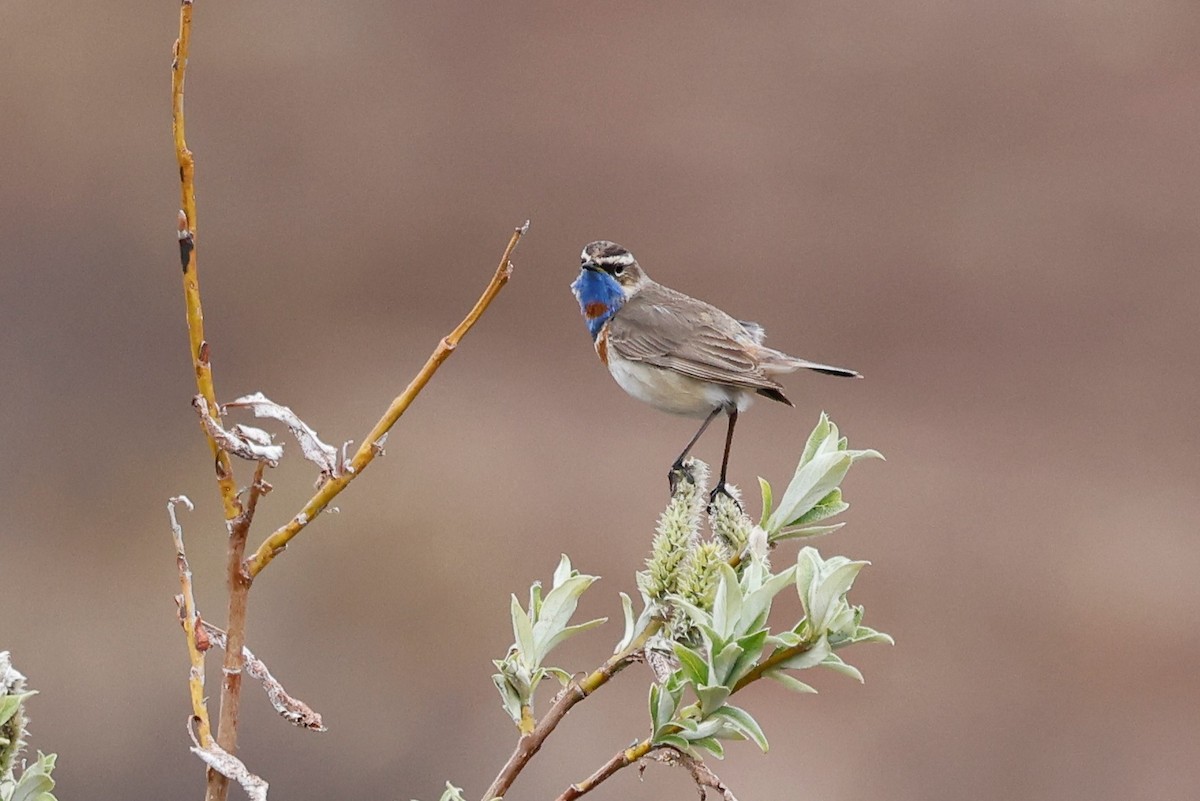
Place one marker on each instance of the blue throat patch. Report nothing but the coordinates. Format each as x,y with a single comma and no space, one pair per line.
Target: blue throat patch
599,296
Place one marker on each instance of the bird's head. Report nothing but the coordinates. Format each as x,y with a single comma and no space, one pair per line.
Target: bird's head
615,262
609,277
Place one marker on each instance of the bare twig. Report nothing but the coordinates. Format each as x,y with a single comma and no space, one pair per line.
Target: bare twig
621,759
187,254
529,744
371,444
291,709
239,591
190,618
702,774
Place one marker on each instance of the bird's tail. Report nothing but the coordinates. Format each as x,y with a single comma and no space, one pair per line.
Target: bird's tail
778,362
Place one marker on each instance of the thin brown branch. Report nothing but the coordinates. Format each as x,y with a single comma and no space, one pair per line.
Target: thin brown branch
239,596
190,619
371,445
531,743
702,774
621,759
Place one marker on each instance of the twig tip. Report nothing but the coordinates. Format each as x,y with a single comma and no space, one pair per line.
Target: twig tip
183,499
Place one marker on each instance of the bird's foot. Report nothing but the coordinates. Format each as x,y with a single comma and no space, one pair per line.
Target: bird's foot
680,472
721,489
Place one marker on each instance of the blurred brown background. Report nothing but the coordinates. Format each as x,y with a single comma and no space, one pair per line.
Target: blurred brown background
989,209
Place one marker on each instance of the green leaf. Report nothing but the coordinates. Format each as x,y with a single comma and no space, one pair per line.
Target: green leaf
765,487
564,678
35,783
839,581
723,662
535,600
752,646
694,668
9,704
867,634
741,721
832,504
563,571
656,693
822,585
557,608
514,690
811,657
789,681
727,608
452,793
805,532
630,622
571,631
819,434
663,704
858,456
561,601
784,639
522,632
673,740
835,663
711,697
812,482
711,745
710,727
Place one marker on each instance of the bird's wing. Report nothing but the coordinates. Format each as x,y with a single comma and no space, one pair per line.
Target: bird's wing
660,327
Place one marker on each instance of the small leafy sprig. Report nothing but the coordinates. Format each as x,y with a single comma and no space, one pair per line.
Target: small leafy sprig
814,493
536,632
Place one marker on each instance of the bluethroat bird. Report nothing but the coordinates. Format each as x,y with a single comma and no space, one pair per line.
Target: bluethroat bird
676,353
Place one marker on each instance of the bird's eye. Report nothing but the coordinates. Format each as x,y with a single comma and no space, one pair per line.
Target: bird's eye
620,268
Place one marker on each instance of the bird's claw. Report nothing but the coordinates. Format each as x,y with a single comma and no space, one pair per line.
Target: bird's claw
721,489
680,472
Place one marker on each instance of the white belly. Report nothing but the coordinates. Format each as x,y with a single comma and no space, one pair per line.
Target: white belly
673,392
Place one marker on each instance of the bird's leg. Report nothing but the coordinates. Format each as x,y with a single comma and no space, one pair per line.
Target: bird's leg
720,489
677,468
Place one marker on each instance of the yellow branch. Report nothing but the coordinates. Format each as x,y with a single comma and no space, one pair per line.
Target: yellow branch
187,253
622,759
371,445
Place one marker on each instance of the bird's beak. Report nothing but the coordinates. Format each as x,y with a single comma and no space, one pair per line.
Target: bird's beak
593,266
